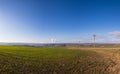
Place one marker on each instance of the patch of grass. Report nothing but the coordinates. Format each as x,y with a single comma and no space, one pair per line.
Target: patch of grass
58,60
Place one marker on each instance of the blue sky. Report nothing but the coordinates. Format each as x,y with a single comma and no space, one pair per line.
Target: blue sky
41,21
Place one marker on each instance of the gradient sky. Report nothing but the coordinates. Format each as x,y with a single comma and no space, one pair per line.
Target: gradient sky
39,21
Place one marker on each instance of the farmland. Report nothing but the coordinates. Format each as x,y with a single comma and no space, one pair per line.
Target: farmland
58,60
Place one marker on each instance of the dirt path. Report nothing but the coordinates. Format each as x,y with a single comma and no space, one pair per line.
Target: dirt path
111,55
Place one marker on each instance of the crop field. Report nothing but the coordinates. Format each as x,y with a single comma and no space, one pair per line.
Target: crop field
58,60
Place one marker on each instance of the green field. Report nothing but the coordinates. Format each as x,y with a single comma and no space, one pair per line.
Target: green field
58,60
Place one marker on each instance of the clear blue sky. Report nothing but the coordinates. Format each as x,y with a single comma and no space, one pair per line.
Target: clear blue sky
63,20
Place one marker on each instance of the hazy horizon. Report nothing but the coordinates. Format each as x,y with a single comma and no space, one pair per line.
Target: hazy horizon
62,21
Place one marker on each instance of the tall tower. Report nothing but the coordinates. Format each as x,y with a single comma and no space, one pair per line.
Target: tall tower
94,39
